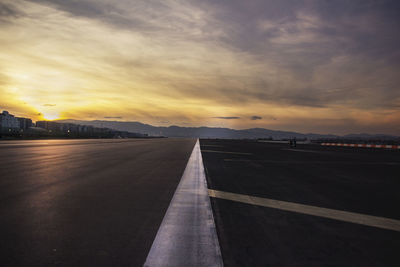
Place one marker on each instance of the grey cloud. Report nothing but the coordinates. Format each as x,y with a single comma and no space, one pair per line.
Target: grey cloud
227,118
84,8
338,19
101,10
7,10
345,86
109,117
141,15
338,28
365,32
362,28
121,14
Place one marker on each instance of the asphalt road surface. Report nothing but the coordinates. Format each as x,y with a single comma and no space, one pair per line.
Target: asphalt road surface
356,180
85,202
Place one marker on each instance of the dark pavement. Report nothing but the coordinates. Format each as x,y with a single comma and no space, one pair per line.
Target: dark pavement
357,180
85,202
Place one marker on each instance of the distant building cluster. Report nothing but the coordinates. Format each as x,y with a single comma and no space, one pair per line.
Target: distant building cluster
10,123
15,126
77,130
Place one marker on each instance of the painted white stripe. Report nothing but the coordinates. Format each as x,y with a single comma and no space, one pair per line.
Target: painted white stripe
187,235
374,221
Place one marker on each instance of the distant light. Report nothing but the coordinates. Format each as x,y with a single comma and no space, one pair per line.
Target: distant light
51,116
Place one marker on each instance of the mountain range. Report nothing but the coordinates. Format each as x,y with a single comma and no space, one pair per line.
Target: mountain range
213,132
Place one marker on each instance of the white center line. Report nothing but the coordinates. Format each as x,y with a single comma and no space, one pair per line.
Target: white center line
187,235
352,217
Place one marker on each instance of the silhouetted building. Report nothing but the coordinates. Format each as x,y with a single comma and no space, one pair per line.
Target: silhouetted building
23,127
8,122
76,130
50,126
25,123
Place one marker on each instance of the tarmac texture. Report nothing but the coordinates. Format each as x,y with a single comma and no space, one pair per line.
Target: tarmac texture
85,202
361,181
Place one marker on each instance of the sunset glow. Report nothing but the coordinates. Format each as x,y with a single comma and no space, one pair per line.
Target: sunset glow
51,116
277,66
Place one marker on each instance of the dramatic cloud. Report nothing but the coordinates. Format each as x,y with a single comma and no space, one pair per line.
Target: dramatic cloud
8,11
328,66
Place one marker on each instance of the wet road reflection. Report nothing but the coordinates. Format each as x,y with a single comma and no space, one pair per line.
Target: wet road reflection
85,202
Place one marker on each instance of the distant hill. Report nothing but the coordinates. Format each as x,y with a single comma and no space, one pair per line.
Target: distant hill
211,132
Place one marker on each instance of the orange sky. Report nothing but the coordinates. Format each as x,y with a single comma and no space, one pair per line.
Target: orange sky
190,64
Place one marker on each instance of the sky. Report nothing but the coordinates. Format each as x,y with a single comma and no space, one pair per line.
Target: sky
307,66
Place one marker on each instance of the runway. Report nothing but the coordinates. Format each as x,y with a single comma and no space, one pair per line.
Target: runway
306,206
117,203
85,202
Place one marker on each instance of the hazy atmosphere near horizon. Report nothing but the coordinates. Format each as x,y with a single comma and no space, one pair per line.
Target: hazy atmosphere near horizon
306,66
